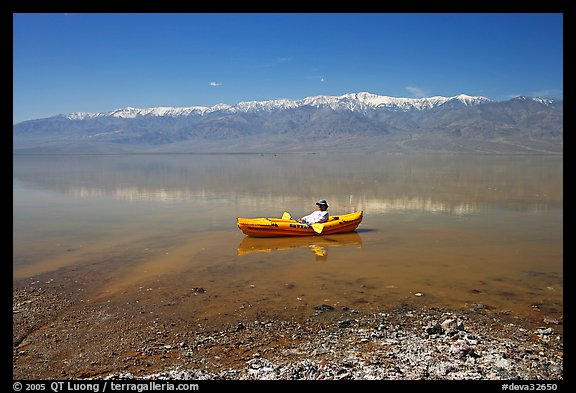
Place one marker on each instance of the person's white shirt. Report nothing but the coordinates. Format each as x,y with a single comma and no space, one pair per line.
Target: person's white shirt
316,216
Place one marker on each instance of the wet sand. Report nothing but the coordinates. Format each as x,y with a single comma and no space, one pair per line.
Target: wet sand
57,335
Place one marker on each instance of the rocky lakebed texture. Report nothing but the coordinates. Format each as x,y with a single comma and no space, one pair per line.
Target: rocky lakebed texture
57,336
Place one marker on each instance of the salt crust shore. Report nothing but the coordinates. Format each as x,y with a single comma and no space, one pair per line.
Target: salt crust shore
56,337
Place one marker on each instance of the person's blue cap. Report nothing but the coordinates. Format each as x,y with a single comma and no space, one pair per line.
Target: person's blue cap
322,202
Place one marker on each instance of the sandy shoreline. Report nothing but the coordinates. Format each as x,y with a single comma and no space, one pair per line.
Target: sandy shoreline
57,336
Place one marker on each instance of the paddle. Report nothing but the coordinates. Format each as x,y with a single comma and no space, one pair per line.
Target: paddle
318,228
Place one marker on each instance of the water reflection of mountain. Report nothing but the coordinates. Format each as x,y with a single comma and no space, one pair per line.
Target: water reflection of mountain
205,197
454,184
318,245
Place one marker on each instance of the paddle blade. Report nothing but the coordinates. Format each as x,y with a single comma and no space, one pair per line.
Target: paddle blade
318,227
319,251
286,216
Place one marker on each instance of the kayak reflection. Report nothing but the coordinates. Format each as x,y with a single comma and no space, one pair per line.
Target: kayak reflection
317,244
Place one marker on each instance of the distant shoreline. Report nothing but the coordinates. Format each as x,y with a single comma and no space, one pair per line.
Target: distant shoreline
352,153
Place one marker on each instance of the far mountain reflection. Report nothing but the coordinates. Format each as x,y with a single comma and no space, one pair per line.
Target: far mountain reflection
458,229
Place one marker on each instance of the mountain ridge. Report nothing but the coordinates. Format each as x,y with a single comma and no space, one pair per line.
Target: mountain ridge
364,120
334,102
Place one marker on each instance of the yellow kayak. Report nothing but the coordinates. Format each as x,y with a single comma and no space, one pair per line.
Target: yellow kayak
274,227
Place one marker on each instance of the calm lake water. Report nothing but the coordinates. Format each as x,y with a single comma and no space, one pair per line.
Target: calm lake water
149,229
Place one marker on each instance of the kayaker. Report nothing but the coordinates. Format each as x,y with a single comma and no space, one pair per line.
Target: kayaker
320,215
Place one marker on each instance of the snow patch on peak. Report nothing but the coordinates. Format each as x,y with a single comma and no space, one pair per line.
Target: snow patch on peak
354,102
131,113
127,113
541,100
83,115
470,100
219,107
256,106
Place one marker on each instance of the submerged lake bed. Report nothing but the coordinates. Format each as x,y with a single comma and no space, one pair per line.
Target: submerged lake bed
158,233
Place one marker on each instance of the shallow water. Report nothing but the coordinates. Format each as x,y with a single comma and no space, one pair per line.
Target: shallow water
438,230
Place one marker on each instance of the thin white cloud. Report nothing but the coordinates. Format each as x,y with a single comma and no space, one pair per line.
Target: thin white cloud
215,84
276,61
416,91
283,59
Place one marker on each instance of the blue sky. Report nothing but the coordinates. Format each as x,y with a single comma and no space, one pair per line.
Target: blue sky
67,63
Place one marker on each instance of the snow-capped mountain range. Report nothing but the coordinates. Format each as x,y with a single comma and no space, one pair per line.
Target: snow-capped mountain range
354,102
362,120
